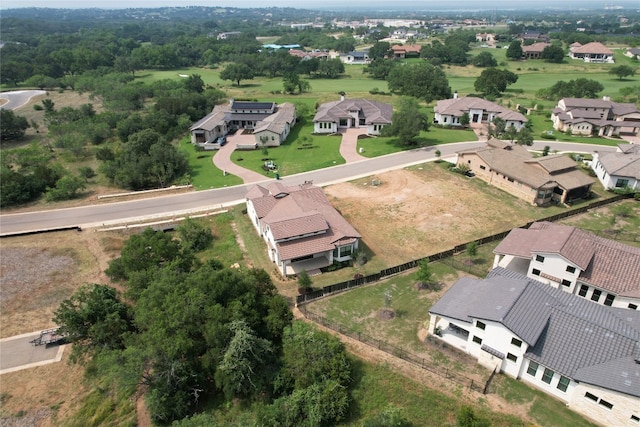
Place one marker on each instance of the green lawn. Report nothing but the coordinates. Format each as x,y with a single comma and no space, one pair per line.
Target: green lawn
204,175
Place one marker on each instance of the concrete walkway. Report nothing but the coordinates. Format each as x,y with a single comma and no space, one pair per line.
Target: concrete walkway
222,157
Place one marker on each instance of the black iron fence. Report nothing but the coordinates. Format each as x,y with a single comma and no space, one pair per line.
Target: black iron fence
448,254
421,362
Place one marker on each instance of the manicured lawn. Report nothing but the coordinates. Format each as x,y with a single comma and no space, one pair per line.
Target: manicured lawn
380,146
204,175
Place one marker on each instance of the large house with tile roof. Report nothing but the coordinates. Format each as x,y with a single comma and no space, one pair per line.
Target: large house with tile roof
586,354
575,261
448,112
537,180
591,52
601,117
534,51
620,169
303,232
269,122
331,117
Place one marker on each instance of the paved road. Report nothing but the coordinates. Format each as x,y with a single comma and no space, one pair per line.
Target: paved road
18,98
182,204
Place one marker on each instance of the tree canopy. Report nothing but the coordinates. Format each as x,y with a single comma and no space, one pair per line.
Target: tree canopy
553,54
236,73
578,88
493,81
514,52
622,71
422,80
12,126
407,122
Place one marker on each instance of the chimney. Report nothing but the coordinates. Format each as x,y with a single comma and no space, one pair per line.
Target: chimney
455,94
606,98
341,96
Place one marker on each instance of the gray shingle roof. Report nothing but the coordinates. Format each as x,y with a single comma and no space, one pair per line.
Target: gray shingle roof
371,111
457,106
582,340
621,164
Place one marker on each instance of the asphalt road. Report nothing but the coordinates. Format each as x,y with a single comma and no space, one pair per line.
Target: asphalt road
18,98
202,201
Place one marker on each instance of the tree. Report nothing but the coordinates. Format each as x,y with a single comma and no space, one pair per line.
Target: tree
194,83
380,68
493,81
514,52
622,71
578,88
304,281
67,187
422,80
331,68
12,126
484,59
524,136
464,119
93,318
237,73
424,273
553,54
466,417
194,235
471,249
379,50
407,122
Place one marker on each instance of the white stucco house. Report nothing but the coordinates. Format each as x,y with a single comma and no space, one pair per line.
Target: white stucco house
269,122
601,117
620,169
591,52
575,261
332,117
301,229
448,112
585,354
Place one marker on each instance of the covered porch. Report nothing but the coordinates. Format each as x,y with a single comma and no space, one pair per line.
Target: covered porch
316,263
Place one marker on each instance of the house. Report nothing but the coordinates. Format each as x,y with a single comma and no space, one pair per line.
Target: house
303,232
620,169
305,55
448,112
537,180
399,33
331,117
591,52
485,37
632,52
534,51
601,117
355,58
228,35
575,261
269,122
533,36
406,51
585,354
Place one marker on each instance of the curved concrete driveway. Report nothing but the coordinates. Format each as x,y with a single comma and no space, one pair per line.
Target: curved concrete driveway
349,145
18,98
222,160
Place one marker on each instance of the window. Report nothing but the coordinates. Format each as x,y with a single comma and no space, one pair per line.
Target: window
563,383
535,272
622,183
566,282
591,396
547,376
480,325
533,368
539,258
595,296
571,269
477,340
512,357
632,306
609,299
635,419
583,290
516,342
483,167
606,404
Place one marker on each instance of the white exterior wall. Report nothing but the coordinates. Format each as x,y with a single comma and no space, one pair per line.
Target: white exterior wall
609,181
556,266
371,129
624,405
251,213
496,336
333,127
623,302
515,123
551,388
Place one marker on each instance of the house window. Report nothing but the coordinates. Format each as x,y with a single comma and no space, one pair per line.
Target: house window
635,419
609,299
512,357
595,296
606,404
563,384
535,272
566,282
539,258
533,368
571,269
583,290
632,306
516,342
622,183
482,167
591,396
477,340
547,376
480,325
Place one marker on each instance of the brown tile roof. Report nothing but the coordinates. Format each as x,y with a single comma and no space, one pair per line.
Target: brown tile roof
605,263
536,47
296,211
592,48
371,111
457,106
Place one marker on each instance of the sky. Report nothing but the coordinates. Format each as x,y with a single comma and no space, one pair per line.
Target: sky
322,4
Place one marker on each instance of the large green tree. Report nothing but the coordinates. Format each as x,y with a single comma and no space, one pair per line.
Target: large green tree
553,54
514,52
236,73
421,80
493,81
12,126
407,121
622,71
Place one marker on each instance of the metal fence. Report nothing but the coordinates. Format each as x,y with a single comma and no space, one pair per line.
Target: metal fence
448,255
444,372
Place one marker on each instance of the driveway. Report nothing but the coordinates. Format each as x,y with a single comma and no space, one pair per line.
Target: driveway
222,159
18,98
18,353
349,144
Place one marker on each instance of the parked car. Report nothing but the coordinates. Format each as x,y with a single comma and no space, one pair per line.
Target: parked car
470,174
221,141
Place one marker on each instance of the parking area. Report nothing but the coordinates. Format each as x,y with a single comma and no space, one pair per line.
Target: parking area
18,353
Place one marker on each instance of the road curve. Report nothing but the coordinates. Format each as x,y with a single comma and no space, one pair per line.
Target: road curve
18,98
202,201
